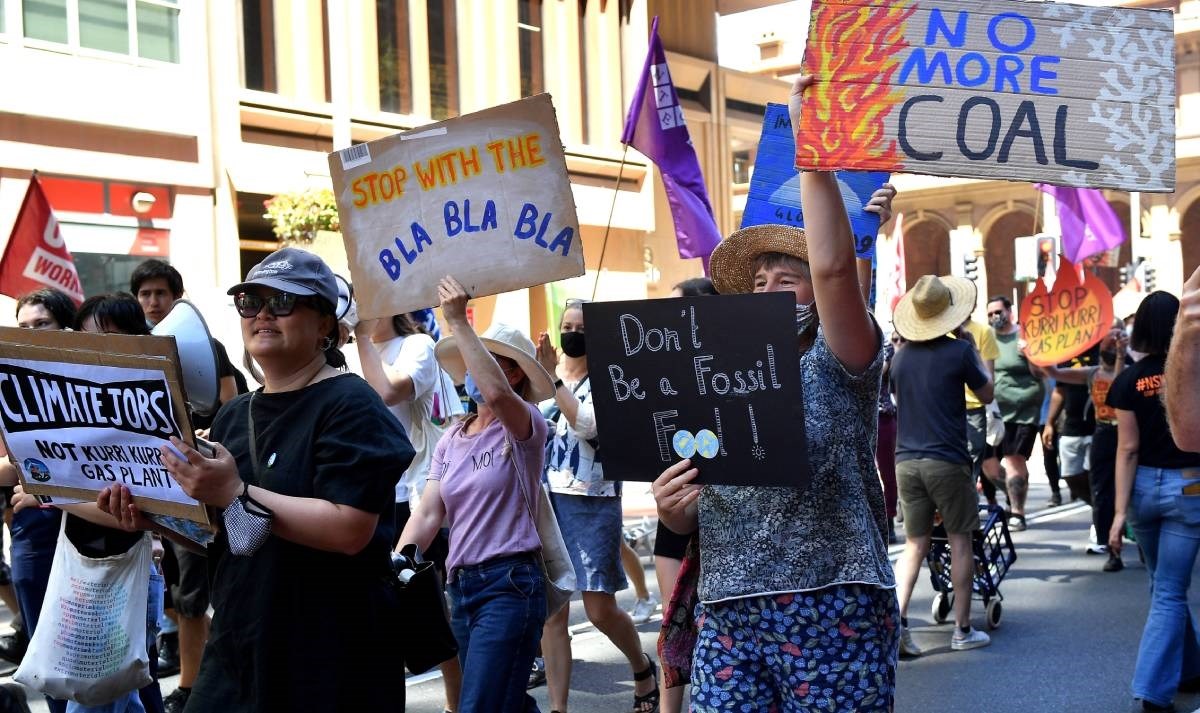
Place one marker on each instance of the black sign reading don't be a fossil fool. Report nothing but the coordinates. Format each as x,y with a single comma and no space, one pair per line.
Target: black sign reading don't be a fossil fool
714,379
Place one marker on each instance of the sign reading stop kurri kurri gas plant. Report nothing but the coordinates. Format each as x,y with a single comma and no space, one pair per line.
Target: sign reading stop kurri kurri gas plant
484,197
713,379
996,89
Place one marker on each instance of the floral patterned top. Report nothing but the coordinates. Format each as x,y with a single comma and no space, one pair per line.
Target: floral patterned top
572,456
771,540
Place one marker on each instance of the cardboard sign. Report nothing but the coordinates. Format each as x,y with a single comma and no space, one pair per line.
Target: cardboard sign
774,197
996,89
484,197
80,412
1066,321
679,378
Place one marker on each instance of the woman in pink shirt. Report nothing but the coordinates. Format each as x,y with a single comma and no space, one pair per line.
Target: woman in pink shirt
483,479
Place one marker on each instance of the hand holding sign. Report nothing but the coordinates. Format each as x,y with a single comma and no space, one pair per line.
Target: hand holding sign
1064,322
677,497
213,481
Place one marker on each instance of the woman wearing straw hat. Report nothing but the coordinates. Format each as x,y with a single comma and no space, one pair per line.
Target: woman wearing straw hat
484,479
812,561
933,462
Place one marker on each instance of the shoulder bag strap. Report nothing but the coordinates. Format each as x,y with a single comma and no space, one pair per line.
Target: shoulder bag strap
250,430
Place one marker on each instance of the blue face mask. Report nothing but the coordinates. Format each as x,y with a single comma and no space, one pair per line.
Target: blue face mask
472,389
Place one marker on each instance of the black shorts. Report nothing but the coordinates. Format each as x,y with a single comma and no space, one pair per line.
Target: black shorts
669,544
1018,441
190,588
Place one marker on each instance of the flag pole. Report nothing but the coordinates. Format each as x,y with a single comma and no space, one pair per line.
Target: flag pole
608,225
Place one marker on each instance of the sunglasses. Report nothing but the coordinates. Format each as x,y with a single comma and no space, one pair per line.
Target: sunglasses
280,304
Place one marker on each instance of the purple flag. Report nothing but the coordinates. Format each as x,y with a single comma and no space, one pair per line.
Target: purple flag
655,126
1089,224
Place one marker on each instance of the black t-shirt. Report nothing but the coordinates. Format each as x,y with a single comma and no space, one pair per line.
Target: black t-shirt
1078,415
1138,388
334,440
927,379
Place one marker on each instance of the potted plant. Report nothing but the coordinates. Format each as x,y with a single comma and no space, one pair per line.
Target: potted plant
298,217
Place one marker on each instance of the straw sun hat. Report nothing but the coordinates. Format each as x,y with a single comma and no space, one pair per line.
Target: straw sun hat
935,306
501,340
731,262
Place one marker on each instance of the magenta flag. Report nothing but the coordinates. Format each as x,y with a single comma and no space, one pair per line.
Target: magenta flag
655,126
1089,224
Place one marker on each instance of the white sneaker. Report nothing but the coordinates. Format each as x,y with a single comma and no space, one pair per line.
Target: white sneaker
908,647
1097,549
973,639
643,609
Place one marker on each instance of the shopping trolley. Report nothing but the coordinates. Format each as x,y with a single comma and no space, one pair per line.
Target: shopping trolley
993,551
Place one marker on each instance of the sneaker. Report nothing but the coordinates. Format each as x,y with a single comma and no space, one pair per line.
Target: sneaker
973,639
537,676
643,609
177,701
1016,523
168,654
12,647
908,647
1114,563
1055,499
12,699
1097,549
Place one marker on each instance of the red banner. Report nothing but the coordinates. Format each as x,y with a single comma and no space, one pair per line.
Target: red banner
36,255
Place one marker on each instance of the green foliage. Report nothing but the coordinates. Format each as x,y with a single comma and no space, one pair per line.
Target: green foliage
296,217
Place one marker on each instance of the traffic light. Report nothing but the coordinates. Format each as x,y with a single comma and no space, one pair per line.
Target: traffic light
971,267
1046,250
1149,273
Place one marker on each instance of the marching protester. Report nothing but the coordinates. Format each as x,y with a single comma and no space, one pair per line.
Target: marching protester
1183,370
1069,426
1019,392
1157,496
304,475
765,551
397,360
484,480
588,509
1103,451
933,463
985,343
157,286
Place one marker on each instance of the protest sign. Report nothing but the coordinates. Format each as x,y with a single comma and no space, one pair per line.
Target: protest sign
1061,323
996,89
774,197
80,412
684,378
484,197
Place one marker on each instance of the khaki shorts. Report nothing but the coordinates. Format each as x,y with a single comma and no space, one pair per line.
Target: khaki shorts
928,485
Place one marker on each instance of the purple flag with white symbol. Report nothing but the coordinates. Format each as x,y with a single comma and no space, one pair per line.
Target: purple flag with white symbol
1089,224
655,126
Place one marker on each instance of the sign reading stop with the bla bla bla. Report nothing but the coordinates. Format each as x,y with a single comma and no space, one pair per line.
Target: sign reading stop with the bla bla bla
1061,323
996,89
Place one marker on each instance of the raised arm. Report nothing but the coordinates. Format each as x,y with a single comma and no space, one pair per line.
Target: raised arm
1183,363
391,385
848,328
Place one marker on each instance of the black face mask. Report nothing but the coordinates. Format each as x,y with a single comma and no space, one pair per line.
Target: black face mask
1109,358
573,344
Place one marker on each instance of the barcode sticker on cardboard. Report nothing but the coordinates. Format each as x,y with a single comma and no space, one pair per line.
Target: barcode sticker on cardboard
355,156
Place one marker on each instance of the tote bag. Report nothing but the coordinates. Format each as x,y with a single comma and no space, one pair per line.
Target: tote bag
557,568
90,642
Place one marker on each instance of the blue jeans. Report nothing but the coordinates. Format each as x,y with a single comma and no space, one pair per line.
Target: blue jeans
1167,525
498,609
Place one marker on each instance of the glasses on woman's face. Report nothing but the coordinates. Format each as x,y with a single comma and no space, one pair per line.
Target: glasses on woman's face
280,304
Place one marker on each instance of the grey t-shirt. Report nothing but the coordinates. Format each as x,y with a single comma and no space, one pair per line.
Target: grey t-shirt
771,540
927,378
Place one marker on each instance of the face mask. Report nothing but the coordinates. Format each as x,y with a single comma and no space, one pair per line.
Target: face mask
573,344
806,317
1109,358
472,390
998,322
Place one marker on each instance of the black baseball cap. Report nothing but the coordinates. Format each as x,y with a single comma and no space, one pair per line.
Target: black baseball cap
294,271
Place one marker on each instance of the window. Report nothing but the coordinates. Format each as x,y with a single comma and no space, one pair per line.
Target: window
258,44
139,28
395,58
529,43
443,59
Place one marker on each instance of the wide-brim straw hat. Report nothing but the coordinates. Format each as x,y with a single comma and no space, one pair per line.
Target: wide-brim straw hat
934,307
733,258
501,340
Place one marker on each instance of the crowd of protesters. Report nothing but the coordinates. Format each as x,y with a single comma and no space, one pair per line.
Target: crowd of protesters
445,444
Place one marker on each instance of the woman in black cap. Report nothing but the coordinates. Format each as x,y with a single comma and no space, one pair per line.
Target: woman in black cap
304,474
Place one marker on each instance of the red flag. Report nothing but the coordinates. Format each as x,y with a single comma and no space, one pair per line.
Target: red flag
898,268
36,255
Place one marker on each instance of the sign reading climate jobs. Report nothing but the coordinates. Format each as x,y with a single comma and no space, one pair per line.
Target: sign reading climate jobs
997,89
87,426
713,379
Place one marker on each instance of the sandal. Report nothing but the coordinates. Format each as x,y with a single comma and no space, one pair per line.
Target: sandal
647,703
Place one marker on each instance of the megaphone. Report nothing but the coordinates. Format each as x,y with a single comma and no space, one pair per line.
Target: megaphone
345,297
197,359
